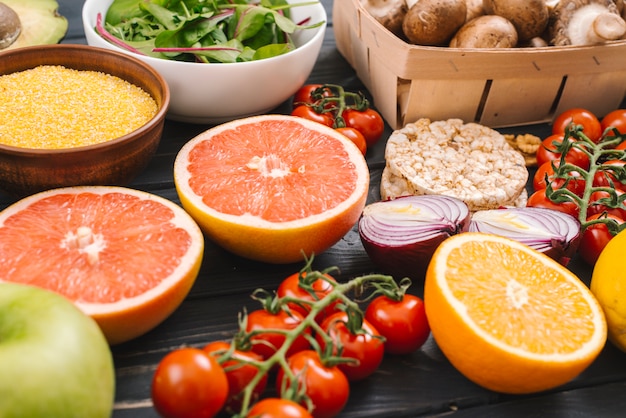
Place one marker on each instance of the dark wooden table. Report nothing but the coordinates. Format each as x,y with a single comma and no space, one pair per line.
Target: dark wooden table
421,384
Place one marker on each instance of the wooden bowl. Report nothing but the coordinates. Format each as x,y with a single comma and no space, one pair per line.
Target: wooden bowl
24,171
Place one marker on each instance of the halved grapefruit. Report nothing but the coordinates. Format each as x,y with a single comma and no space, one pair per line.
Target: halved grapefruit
272,188
127,258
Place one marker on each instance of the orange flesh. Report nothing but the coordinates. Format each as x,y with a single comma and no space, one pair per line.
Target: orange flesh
527,295
87,247
274,170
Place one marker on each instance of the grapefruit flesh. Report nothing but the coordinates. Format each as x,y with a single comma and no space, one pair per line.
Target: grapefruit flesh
272,188
126,258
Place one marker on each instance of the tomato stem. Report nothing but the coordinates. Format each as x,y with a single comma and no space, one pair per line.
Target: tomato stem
598,154
331,355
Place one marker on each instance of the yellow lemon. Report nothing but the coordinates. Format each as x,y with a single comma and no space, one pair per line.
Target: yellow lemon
608,284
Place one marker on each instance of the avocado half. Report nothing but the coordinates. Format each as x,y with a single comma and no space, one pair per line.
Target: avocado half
40,22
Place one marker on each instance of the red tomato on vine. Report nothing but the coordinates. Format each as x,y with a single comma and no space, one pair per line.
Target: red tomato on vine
266,342
290,287
308,112
326,386
368,122
595,237
189,383
239,372
355,136
365,347
403,323
277,408
540,200
578,116
575,183
547,151
615,119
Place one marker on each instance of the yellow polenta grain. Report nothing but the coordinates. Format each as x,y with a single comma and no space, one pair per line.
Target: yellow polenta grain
50,107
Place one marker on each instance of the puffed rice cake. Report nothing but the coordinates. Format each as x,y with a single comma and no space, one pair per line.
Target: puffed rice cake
468,161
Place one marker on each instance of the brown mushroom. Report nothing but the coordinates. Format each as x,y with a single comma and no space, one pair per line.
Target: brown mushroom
10,26
488,31
530,17
434,22
474,9
390,13
586,22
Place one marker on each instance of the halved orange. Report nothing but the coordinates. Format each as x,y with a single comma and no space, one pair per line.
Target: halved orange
272,188
127,258
508,317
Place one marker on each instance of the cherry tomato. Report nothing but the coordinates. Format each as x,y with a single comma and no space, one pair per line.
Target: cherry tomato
595,208
355,136
368,122
266,343
615,119
594,238
307,112
239,373
591,125
327,387
303,95
540,200
365,347
277,408
604,178
290,287
575,183
547,152
189,383
403,323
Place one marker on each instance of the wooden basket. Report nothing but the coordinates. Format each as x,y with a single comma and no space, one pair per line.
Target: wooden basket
496,88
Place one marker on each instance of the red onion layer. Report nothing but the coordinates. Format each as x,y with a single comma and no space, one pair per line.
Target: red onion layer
401,235
554,233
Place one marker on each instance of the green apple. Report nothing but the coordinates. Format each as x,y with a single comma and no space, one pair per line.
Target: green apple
54,359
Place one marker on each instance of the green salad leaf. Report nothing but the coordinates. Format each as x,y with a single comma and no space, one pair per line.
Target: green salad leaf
222,31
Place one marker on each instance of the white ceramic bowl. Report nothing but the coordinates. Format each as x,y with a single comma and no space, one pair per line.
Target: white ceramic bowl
215,93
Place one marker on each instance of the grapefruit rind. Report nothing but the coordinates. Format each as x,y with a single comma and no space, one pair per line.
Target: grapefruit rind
267,241
484,359
130,317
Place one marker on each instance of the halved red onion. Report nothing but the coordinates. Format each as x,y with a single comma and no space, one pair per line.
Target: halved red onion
401,235
554,233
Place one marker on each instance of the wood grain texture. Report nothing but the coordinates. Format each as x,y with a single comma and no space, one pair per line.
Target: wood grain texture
417,385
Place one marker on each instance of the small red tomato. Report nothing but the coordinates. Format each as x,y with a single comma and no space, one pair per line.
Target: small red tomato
403,323
239,372
615,119
547,151
540,200
368,122
307,112
596,208
607,178
277,408
365,346
355,136
575,182
327,387
266,343
189,383
304,95
595,237
590,123
291,287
